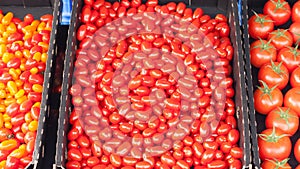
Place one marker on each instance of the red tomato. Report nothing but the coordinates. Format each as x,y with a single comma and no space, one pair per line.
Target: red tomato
295,78
298,167
261,52
283,118
5,134
281,38
260,26
267,99
274,74
274,144
295,30
290,58
275,164
292,99
278,10
296,12
297,150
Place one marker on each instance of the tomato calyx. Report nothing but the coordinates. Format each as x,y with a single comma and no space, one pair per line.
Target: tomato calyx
279,5
265,89
285,115
279,33
276,69
263,45
272,138
279,164
261,19
294,50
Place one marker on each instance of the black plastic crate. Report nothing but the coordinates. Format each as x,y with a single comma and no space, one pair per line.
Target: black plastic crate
212,7
257,120
20,9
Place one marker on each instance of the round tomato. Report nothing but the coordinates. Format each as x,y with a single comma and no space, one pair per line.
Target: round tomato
296,12
297,150
292,99
283,118
295,30
278,10
281,38
261,52
260,26
295,78
274,74
275,164
266,99
290,58
298,167
274,144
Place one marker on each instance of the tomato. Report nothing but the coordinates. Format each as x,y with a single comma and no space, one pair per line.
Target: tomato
267,99
297,150
295,30
290,58
5,134
274,74
292,99
275,164
281,38
298,167
261,52
278,10
295,78
283,118
260,26
296,12
274,144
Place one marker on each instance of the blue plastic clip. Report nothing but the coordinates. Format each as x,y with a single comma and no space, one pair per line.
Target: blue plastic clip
240,10
66,12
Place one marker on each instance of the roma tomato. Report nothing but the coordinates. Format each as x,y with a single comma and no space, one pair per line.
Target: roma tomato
281,38
297,150
274,74
275,164
283,118
278,10
295,78
261,52
274,144
266,99
292,99
290,57
260,26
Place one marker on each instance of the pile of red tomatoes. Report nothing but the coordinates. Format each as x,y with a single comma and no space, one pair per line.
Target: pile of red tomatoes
275,53
152,89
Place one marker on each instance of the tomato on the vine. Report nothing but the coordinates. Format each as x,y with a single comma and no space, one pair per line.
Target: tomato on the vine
278,10
266,99
292,99
274,144
262,52
274,74
275,164
281,38
260,26
283,118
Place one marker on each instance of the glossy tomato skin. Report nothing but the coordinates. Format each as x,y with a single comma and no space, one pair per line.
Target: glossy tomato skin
297,150
295,78
296,12
298,167
279,11
279,147
274,164
290,57
281,38
295,30
292,99
266,99
283,118
274,74
260,26
261,52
